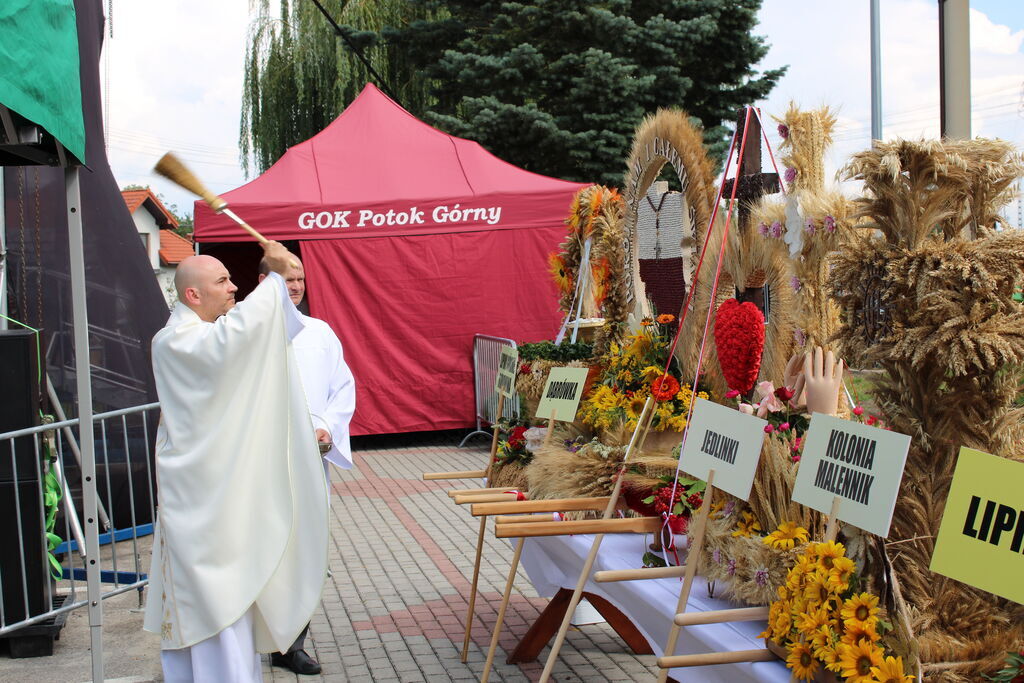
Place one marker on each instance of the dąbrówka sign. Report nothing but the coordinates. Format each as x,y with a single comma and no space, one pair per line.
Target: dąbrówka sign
562,394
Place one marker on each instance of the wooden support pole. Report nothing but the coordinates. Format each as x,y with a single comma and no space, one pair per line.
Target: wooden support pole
551,428
463,474
588,565
692,562
711,658
480,539
472,589
610,575
524,519
635,525
549,505
466,498
832,530
494,489
721,616
506,596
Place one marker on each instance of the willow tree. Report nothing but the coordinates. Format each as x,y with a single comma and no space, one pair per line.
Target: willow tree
299,75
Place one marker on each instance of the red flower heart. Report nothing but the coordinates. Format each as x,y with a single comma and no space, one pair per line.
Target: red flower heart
739,339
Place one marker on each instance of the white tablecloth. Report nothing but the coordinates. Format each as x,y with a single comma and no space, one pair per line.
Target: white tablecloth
555,562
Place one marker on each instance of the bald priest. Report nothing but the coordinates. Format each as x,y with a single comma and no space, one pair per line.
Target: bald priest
240,548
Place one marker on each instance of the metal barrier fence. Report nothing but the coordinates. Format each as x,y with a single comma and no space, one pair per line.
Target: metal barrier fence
486,355
45,582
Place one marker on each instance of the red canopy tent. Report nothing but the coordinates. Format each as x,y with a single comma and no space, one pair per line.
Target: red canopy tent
412,241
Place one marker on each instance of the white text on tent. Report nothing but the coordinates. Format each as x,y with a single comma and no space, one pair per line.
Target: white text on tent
413,216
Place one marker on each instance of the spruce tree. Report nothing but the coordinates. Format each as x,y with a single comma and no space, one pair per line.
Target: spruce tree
558,86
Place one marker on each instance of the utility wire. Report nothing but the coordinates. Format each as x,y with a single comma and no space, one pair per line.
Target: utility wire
357,53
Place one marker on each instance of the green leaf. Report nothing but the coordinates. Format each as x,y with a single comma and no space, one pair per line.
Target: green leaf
652,560
648,500
678,509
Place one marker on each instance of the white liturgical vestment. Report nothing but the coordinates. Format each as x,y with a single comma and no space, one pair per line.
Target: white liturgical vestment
242,516
330,387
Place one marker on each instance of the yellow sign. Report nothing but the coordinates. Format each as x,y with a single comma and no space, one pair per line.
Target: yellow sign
981,539
562,394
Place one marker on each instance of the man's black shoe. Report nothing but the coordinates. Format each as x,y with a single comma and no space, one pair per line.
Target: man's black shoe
298,662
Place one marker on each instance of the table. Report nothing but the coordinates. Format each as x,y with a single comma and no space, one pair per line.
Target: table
553,564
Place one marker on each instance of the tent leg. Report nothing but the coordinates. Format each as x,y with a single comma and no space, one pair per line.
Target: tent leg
80,322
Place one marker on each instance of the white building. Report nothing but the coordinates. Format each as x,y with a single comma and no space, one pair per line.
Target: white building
156,225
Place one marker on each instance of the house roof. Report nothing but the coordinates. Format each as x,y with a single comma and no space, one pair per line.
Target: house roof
174,248
136,198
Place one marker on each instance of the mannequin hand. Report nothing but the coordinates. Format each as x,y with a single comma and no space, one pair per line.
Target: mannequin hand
793,376
823,378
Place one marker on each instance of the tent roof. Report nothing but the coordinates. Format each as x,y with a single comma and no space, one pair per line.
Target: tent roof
377,156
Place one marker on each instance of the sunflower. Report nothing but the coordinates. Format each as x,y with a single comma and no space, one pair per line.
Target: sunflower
860,610
891,671
602,275
747,526
816,591
856,661
856,632
810,621
634,405
801,661
786,536
827,552
559,271
840,574
828,653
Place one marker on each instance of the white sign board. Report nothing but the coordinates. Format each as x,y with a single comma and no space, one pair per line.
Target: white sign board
726,441
562,394
508,368
861,465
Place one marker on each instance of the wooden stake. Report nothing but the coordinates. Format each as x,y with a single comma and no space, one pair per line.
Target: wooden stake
589,564
549,505
610,575
832,530
551,428
462,474
524,519
480,539
501,611
710,658
458,492
636,525
721,616
464,498
692,562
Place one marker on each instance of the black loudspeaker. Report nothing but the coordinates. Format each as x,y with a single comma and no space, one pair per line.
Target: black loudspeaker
23,564
19,404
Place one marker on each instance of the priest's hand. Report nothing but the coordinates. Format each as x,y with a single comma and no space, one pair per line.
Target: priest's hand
278,258
323,436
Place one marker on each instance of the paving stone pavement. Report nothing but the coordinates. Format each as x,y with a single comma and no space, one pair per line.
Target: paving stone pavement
402,561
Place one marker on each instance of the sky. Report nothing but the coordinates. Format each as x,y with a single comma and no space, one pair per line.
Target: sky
173,78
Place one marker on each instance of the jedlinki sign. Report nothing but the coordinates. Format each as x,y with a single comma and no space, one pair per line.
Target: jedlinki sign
443,214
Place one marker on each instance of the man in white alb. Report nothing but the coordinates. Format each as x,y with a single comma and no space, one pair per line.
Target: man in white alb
240,549
330,391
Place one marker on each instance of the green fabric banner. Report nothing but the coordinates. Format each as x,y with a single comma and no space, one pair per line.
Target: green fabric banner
39,67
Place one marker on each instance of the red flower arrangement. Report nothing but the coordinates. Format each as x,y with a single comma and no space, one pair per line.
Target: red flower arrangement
739,339
664,388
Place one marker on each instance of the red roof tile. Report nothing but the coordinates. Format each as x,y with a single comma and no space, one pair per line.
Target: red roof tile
174,248
136,198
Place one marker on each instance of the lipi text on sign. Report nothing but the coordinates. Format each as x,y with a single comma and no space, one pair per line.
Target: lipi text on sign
835,473
996,519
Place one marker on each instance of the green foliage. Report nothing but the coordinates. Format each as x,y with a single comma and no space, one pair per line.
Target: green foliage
554,86
562,353
299,75
1014,670
558,86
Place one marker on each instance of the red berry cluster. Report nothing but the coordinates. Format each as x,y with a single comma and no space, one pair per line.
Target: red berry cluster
664,501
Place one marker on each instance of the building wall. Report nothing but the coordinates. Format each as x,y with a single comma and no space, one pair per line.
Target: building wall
147,227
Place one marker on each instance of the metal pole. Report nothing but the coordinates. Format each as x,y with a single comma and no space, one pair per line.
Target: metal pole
3,255
80,323
955,68
876,73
